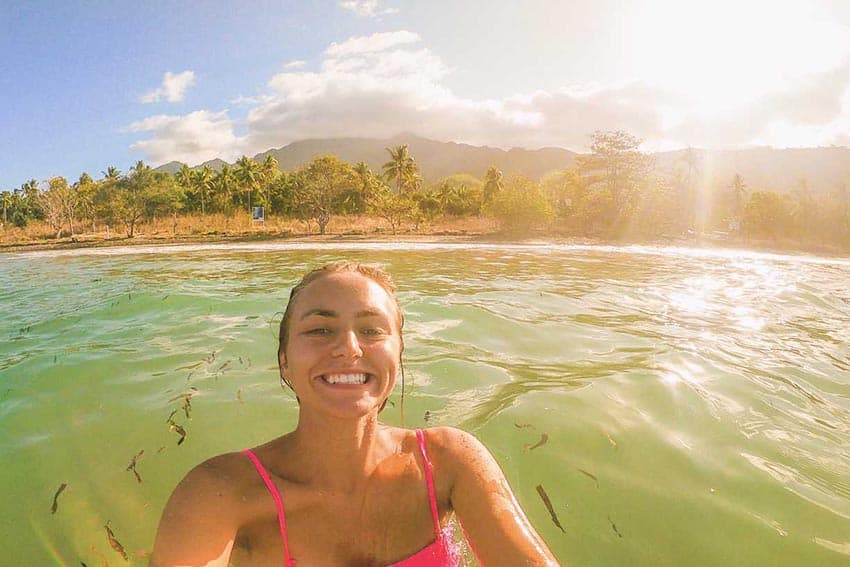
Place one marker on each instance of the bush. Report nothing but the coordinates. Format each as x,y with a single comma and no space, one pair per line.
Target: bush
521,206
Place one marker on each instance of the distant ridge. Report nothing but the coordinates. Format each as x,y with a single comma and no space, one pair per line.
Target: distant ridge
824,169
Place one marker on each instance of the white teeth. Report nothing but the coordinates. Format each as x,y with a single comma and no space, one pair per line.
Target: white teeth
345,378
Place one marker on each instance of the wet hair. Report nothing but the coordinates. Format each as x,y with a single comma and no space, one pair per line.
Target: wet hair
373,272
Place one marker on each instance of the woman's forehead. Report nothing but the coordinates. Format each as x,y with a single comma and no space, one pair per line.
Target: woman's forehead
345,291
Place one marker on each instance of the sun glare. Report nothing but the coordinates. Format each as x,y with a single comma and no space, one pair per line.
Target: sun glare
718,55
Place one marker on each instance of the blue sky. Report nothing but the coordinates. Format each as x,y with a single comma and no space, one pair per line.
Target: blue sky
79,80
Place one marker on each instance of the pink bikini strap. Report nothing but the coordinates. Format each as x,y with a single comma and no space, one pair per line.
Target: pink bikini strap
278,502
429,478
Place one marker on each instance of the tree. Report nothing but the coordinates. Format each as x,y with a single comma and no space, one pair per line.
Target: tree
401,167
248,175
128,204
459,194
32,199
320,189
224,184
616,166
269,170
521,206
202,180
86,190
392,207
56,204
6,199
769,214
493,183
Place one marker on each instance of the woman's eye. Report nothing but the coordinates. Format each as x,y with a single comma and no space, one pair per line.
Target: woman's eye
372,332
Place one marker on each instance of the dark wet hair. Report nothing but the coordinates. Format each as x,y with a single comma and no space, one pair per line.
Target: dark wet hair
372,271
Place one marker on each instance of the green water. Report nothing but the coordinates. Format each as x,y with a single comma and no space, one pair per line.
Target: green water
697,405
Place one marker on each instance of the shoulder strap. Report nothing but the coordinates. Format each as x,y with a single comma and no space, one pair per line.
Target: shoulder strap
429,478
278,502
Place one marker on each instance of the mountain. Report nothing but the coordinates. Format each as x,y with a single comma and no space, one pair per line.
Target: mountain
435,159
823,169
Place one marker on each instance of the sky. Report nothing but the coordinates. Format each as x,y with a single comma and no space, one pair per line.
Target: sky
85,85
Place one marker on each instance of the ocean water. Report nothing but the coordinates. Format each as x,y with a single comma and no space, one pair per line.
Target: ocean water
678,407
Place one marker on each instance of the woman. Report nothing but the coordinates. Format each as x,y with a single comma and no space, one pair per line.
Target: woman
343,489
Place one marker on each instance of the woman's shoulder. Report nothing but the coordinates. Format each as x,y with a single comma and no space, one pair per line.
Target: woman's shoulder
221,479
452,443
454,451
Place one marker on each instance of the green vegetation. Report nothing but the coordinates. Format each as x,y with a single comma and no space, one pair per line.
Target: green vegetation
613,192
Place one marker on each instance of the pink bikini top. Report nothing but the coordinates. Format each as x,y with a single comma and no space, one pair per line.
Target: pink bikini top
440,553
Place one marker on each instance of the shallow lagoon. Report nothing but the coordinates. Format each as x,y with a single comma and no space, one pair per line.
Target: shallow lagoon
696,403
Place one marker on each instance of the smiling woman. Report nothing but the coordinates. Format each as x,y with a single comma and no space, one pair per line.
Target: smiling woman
342,488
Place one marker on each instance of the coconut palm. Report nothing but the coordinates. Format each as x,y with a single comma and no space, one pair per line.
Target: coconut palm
224,183
6,198
248,175
269,170
401,167
203,180
112,173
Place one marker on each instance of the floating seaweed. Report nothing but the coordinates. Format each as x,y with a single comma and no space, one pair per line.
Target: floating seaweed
614,527
114,543
549,507
132,465
172,426
522,425
187,401
239,396
225,365
56,497
427,416
543,440
611,440
589,475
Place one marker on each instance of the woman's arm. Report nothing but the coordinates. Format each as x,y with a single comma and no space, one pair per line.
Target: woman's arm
495,526
198,526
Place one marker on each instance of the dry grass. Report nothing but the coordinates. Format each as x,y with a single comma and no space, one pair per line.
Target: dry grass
239,225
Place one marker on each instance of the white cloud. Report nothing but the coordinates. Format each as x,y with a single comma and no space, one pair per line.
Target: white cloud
366,8
173,88
388,83
194,138
297,64
381,41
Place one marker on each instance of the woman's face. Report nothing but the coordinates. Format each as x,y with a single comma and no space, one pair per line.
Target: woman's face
344,346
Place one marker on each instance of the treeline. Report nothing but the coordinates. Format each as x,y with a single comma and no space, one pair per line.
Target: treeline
615,191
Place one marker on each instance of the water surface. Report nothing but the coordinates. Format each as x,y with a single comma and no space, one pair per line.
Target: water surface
696,403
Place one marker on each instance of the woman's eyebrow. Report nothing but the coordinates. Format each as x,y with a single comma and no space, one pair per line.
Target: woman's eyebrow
320,313
331,313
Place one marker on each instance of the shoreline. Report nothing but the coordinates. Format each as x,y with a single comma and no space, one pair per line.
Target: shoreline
445,236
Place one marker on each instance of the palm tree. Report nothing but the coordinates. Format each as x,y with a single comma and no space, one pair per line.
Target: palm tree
184,176
401,166
6,197
202,179
112,173
248,174
269,170
223,184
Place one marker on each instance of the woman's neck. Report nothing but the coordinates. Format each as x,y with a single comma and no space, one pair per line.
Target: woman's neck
338,454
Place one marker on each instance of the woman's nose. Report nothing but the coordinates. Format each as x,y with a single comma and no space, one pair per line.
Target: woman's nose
348,345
